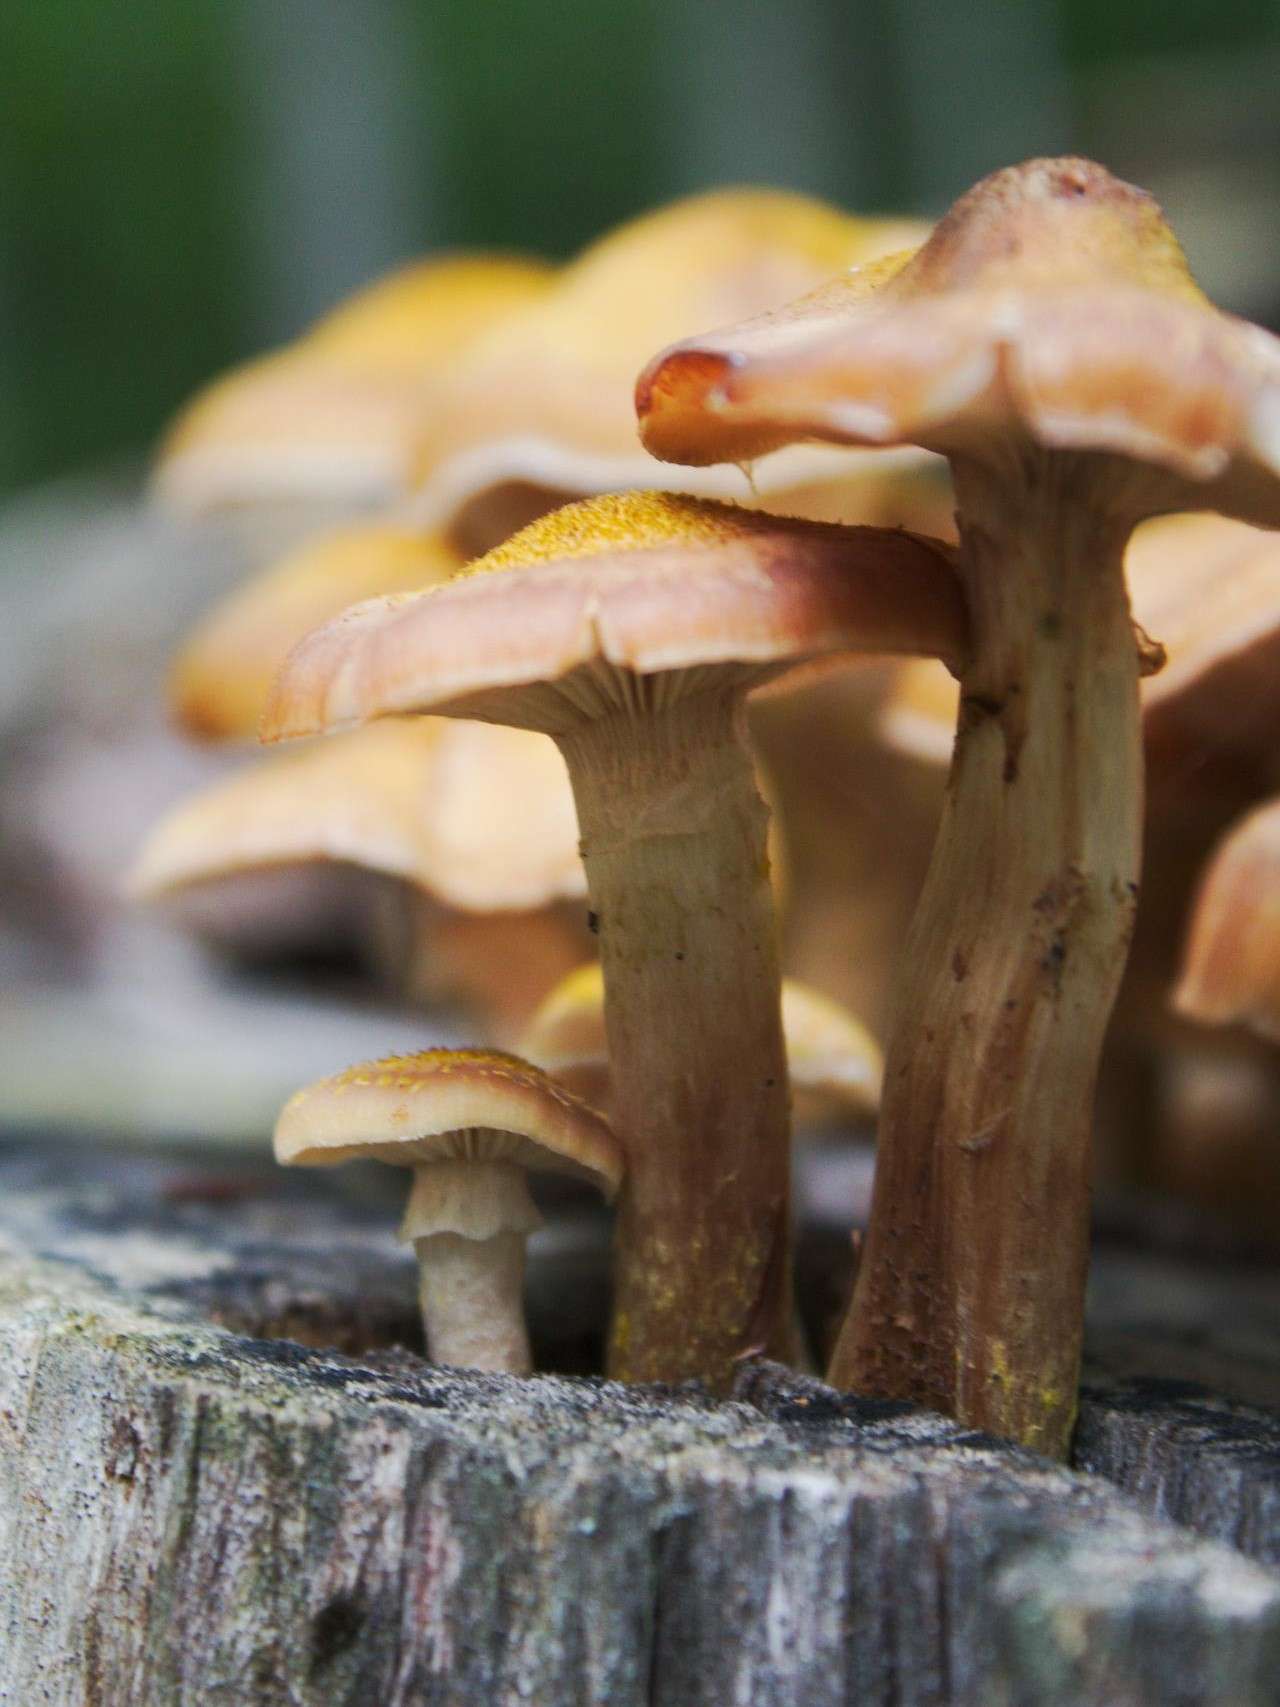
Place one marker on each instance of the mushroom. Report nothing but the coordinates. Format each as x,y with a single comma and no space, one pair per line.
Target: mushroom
538,410
218,682
630,628
474,823
1231,961
833,1063
471,1124
1049,340
329,421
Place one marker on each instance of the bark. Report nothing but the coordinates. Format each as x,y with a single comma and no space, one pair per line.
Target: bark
191,1515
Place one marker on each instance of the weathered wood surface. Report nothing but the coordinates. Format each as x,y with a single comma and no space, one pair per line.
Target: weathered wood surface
196,1513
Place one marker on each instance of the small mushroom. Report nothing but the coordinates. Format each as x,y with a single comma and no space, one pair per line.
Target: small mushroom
538,410
630,629
1050,341
833,1063
219,680
330,420
1231,961
471,1124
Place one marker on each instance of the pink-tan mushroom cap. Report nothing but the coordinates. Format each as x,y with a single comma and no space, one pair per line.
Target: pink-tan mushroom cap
336,413
448,1105
1231,962
552,628
545,397
478,816
1052,303
219,681
833,1060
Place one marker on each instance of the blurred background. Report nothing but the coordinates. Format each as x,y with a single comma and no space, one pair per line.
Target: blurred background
184,186
181,185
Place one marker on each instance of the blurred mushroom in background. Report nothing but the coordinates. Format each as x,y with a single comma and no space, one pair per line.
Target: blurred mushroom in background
538,410
443,854
324,428
220,675
1231,956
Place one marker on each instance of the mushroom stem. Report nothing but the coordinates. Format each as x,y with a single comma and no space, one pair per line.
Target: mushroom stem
970,1292
468,1219
674,843
472,1295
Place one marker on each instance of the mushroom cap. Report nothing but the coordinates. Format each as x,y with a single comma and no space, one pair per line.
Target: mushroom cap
1208,590
1231,961
335,413
1051,303
832,1059
482,818
545,398
566,1035
831,1056
218,682
552,628
437,1105
918,717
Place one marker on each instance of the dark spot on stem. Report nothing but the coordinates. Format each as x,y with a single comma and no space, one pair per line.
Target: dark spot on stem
959,967
975,706
593,923
1055,957
679,954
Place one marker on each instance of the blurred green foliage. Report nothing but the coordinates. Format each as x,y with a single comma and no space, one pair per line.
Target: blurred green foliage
136,189
1111,29
118,166
544,116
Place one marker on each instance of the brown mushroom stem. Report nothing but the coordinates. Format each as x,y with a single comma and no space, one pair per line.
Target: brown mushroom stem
472,1296
468,1221
674,843
970,1292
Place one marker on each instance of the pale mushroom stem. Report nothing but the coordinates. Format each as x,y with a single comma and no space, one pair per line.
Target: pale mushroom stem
673,839
468,1219
472,1295
970,1292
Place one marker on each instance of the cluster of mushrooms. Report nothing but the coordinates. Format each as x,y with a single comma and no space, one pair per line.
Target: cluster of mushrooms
524,577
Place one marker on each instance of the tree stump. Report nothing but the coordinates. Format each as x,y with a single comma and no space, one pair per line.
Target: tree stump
197,1507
